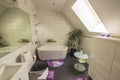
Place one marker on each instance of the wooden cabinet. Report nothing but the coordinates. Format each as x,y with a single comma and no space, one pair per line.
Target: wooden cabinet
105,59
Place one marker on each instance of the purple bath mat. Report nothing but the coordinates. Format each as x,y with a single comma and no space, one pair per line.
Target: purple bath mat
81,79
55,63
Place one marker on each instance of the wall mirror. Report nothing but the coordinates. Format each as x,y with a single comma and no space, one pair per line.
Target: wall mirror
14,27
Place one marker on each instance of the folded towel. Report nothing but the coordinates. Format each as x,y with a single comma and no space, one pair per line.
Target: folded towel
44,75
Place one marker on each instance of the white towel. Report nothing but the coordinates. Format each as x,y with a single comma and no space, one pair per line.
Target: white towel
28,59
44,75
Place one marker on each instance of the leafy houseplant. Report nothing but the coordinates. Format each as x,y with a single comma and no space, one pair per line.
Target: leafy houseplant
74,39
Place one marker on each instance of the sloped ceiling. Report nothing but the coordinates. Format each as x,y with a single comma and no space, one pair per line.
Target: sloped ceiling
56,5
67,11
65,7
109,13
107,10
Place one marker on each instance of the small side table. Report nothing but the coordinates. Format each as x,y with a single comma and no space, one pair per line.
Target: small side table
82,58
79,67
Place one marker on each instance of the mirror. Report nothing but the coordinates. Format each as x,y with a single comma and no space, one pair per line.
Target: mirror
14,28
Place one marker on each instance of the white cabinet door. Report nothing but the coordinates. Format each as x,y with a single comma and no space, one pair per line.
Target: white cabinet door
22,74
115,72
103,52
102,56
93,76
22,77
97,70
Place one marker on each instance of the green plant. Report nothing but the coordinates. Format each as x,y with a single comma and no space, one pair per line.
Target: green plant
74,39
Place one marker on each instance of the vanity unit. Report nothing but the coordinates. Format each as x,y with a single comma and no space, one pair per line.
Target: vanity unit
105,58
14,71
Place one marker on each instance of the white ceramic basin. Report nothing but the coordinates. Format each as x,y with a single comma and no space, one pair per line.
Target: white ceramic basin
8,71
6,50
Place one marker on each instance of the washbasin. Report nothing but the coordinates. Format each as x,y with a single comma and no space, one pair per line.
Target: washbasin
8,71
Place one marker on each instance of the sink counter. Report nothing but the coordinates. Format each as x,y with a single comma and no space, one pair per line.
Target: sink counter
13,71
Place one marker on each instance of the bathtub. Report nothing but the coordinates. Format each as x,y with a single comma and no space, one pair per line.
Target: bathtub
50,52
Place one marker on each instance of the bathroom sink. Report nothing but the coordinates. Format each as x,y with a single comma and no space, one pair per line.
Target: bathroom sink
8,71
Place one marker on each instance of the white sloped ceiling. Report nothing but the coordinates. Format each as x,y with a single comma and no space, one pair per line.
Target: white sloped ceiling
67,11
109,13
107,10
56,5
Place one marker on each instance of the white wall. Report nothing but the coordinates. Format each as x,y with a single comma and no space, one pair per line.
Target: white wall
54,25
86,44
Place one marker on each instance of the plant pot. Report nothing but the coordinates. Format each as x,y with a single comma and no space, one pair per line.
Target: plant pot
72,51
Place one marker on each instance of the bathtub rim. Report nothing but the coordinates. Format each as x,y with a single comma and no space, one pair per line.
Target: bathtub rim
39,48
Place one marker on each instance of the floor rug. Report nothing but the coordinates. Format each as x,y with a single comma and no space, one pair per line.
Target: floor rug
55,63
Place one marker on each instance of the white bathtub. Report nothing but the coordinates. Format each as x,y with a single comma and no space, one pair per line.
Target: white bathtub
49,52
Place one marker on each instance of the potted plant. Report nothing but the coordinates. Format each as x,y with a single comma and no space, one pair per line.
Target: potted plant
73,42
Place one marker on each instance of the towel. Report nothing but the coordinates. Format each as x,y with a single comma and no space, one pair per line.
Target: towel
44,75
28,59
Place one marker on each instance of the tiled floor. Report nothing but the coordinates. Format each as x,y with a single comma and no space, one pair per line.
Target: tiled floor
67,71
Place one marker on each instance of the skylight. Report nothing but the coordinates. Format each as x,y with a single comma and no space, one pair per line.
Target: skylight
87,15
